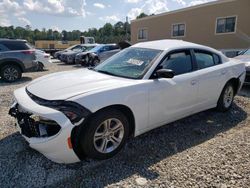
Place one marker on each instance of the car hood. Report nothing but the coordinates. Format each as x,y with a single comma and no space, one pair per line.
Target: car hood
244,58
69,53
64,85
62,51
83,53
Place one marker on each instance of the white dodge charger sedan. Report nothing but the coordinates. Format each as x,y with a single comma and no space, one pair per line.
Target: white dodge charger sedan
91,113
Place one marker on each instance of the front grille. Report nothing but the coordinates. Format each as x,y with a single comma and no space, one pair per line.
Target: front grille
34,126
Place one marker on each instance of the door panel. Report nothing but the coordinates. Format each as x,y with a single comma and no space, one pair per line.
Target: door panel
171,99
211,83
211,77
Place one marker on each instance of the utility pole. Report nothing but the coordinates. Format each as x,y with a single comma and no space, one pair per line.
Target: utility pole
126,27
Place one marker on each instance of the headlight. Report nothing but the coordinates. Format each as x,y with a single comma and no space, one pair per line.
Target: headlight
75,112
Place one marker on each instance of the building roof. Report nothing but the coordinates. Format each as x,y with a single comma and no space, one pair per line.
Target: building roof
184,9
167,44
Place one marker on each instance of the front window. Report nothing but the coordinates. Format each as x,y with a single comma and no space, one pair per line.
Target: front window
178,30
179,62
226,25
129,63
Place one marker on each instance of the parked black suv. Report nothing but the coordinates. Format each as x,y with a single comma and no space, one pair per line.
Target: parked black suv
16,57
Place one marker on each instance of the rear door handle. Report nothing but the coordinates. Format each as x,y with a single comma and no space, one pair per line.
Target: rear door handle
193,82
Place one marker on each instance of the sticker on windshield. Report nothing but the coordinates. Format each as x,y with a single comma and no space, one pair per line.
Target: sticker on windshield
135,62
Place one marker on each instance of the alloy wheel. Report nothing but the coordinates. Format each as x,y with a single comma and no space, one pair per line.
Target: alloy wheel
108,135
10,74
228,96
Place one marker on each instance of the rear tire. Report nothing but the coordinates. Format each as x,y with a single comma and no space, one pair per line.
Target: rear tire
225,101
105,134
10,73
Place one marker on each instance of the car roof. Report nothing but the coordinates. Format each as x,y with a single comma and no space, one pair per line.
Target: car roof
173,44
88,44
11,40
168,44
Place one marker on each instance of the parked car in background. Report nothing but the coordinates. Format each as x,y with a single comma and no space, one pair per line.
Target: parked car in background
16,57
42,59
58,54
244,56
85,58
91,113
69,57
95,58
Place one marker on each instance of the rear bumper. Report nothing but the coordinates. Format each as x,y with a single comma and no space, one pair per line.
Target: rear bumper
55,147
33,67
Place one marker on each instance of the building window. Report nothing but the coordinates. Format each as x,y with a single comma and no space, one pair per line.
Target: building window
226,25
143,34
178,30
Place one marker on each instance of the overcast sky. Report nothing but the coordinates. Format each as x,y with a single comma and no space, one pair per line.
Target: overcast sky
81,14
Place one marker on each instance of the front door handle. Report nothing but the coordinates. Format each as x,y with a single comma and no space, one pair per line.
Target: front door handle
193,82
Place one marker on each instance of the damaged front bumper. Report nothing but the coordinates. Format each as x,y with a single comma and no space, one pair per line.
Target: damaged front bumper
45,129
32,125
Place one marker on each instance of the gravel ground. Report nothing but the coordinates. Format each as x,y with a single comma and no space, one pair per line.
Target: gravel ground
209,149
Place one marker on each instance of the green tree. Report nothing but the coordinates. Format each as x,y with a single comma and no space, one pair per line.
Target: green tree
142,15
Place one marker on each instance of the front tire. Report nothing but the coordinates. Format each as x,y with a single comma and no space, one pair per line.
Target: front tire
225,101
96,61
105,134
10,73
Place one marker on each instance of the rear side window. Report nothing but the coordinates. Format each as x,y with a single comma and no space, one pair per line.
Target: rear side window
206,59
180,62
17,45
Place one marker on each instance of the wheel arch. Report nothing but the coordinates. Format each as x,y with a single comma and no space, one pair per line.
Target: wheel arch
76,131
236,84
12,62
127,112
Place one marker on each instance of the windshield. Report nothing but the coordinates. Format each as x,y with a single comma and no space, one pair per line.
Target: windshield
247,52
129,63
87,48
71,47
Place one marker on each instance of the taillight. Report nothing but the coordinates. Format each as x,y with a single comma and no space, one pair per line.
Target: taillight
28,51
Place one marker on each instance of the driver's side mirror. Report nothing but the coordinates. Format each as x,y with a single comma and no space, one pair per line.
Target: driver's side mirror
165,73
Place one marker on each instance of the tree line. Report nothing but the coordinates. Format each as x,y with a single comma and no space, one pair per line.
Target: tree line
107,34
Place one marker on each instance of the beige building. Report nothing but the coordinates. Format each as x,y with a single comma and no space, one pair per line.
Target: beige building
223,24
52,44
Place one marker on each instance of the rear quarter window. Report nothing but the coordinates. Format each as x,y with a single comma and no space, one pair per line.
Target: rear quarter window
17,45
206,59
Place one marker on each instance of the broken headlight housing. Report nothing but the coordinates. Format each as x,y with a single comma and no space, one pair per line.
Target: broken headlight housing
74,111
